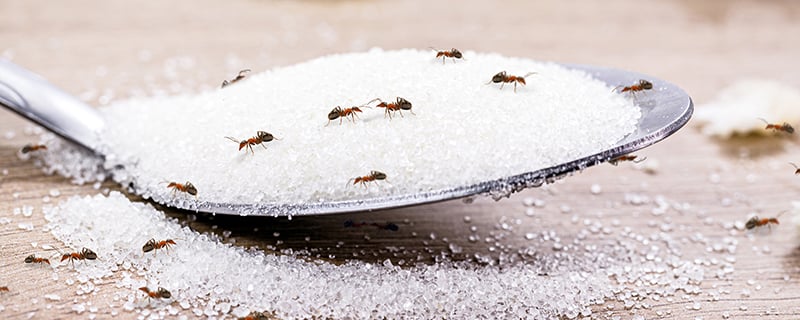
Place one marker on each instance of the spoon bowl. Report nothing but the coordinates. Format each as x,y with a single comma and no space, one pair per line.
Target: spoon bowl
665,109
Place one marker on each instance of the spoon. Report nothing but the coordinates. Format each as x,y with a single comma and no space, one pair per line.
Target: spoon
665,109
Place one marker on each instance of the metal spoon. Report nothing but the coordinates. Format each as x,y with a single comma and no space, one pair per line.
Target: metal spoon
665,109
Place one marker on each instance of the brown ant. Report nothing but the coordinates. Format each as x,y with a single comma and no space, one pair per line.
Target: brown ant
453,54
255,315
796,169
84,254
153,245
639,86
785,127
627,157
187,187
3,289
758,222
340,113
259,139
33,147
502,78
373,176
160,293
399,105
242,74
34,259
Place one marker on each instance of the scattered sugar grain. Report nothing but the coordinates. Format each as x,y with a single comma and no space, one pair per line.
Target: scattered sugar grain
26,226
52,297
446,101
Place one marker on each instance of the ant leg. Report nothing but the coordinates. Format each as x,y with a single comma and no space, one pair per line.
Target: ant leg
501,85
515,87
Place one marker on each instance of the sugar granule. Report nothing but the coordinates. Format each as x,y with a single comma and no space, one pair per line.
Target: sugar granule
202,272
463,130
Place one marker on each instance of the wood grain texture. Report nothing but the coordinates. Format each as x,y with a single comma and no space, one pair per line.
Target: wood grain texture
104,50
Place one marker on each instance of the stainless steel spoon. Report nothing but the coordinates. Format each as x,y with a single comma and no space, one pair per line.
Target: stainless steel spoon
665,109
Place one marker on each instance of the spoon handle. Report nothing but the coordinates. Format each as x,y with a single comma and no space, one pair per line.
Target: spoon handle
30,96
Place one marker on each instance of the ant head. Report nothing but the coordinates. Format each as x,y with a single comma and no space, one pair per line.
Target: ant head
788,128
752,223
164,293
266,136
647,85
403,104
29,259
149,246
334,114
499,77
89,254
456,53
190,189
378,175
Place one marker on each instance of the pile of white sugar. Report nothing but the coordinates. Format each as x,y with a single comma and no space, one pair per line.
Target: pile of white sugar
208,278
463,130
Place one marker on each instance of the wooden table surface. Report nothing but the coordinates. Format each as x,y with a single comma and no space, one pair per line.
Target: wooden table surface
109,50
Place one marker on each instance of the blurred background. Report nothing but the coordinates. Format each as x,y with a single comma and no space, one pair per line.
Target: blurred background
102,51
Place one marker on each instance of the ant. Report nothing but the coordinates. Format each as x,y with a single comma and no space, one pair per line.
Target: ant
639,86
255,315
153,245
796,169
34,259
187,187
339,113
259,139
502,78
160,293
627,157
240,76
387,226
399,105
3,289
84,254
785,127
373,176
453,54
33,147
758,222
